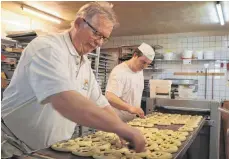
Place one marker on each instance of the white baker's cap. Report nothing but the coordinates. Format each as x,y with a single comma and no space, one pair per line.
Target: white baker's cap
147,50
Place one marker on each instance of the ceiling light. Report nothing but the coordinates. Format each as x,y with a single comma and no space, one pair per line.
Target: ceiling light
41,14
15,23
220,13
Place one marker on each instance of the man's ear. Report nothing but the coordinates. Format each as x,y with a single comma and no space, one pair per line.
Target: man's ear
134,54
78,24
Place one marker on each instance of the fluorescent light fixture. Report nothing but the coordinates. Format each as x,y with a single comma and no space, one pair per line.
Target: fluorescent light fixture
15,23
41,14
220,13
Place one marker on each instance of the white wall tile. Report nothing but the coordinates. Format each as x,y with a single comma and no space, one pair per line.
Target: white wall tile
227,55
185,40
195,44
224,44
189,40
206,44
200,38
180,42
218,38
195,39
206,38
224,38
218,44
200,44
212,38
212,44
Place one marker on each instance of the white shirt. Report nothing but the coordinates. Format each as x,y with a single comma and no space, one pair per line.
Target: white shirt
48,65
128,86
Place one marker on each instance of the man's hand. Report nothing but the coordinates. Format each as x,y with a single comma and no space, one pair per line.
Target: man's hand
136,110
134,137
84,112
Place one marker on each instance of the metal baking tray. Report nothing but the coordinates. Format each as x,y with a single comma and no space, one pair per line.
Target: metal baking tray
51,154
189,140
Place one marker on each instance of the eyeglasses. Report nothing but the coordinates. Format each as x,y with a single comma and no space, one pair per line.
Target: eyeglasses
97,33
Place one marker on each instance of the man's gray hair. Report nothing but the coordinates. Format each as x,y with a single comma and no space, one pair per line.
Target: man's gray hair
102,8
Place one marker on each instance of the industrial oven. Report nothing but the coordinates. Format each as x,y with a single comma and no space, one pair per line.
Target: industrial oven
204,144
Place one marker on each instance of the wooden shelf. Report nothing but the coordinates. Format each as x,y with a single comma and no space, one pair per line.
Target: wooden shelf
92,54
14,50
179,60
198,74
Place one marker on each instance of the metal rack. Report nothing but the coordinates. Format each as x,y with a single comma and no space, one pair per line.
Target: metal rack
146,91
9,67
126,52
105,67
23,37
15,41
94,58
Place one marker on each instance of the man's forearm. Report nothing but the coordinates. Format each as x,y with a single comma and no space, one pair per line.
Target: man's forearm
111,111
79,109
117,102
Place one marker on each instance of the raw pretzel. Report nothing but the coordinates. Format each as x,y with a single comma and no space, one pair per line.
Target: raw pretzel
168,148
85,152
160,155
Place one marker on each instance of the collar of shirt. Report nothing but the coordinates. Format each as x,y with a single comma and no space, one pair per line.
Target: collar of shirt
72,49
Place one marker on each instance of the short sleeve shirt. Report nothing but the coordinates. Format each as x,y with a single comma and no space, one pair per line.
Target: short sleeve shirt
48,65
126,84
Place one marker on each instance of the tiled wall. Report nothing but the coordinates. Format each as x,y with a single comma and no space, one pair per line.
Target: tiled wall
215,40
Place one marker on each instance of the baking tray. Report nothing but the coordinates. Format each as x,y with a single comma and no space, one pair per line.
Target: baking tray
51,154
189,139
178,155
